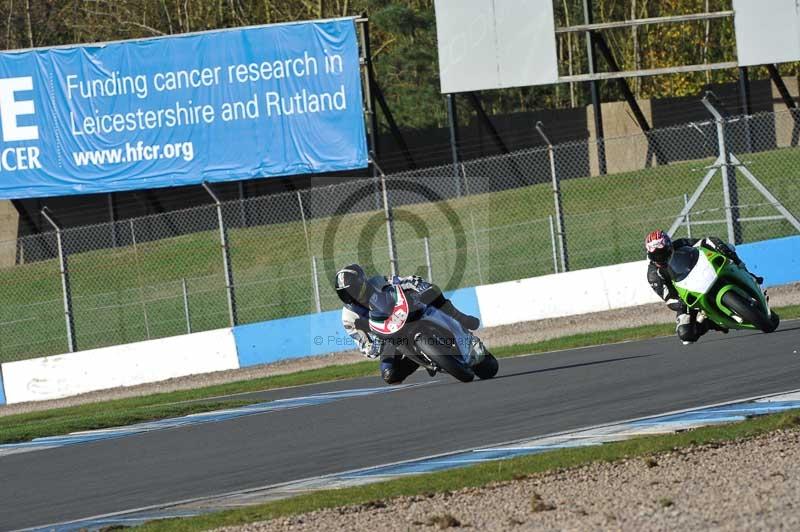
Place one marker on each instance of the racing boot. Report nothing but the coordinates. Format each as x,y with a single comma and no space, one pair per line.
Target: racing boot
470,323
705,325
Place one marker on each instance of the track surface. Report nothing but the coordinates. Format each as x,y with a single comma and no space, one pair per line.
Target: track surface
531,396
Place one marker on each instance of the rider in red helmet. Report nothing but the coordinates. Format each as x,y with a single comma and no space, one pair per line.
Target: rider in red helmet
659,248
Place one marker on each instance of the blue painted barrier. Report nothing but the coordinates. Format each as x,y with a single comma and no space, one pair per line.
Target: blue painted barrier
777,260
312,334
299,336
466,300
2,389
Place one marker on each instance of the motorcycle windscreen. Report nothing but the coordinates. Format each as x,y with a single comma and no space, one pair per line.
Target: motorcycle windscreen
697,278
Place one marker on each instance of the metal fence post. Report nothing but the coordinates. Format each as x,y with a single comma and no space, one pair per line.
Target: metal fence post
133,235
315,282
474,236
561,229
65,285
226,257
387,209
305,223
688,218
186,306
452,119
245,219
553,244
729,188
427,243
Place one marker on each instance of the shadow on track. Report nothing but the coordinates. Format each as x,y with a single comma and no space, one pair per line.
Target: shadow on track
570,366
743,333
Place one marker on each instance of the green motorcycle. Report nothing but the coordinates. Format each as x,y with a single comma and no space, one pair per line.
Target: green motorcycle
721,291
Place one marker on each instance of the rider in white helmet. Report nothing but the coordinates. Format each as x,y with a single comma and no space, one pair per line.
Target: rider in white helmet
372,299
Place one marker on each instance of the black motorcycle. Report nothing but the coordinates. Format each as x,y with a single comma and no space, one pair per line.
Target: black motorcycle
435,340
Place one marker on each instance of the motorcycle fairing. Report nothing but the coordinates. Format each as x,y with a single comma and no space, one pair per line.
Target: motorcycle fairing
398,317
468,346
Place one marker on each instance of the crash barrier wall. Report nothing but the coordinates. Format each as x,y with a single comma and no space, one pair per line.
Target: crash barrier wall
553,296
550,296
777,261
125,365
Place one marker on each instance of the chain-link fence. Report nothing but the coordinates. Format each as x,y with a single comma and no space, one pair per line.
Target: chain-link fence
532,212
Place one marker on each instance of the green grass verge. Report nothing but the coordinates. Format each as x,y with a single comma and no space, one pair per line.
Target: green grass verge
482,474
24,427
133,293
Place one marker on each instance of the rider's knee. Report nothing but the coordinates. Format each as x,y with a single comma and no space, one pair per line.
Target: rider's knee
687,329
396,369
688,333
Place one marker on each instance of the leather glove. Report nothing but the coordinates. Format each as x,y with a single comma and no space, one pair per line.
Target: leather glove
376,347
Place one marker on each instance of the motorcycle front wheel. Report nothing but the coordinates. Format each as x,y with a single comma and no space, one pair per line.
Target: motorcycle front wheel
445,355
749,310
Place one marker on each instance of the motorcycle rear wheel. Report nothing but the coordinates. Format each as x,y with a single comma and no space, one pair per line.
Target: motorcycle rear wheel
749,310
445,356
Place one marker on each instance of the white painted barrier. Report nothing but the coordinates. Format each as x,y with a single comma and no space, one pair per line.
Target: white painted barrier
59,376
565,294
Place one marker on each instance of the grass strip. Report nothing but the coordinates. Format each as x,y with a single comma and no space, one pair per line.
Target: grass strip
119,412
483,474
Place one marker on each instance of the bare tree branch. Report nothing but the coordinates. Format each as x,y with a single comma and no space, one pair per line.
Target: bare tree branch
8,24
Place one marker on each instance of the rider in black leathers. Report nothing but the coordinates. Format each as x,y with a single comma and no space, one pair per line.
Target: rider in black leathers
659,249
373,300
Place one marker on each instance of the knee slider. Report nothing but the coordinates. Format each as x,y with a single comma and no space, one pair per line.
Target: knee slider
688,333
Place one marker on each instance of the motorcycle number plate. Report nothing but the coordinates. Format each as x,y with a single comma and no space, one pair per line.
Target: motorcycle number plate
701,278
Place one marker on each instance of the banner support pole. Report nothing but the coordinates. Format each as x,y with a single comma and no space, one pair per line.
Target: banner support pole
65,284
369,95
387,209
226,257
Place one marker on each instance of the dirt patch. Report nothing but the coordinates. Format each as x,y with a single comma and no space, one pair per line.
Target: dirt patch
527,332
743,485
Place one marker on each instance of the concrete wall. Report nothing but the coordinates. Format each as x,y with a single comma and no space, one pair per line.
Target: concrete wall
618,121
786,130
9,223
630,154
566,294
70,374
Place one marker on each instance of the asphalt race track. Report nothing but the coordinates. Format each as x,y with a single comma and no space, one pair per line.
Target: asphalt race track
531,396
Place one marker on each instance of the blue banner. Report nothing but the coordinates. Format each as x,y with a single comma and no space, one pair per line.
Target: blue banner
217,106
